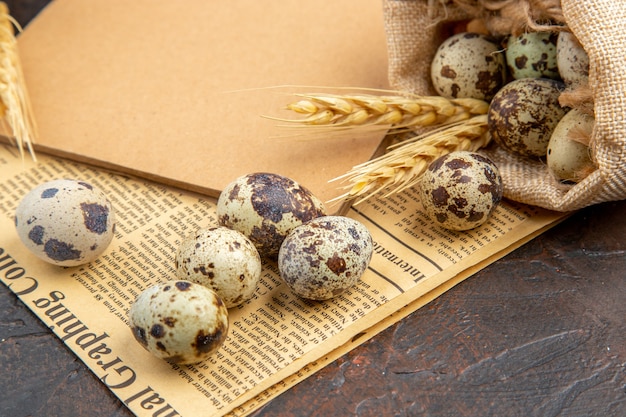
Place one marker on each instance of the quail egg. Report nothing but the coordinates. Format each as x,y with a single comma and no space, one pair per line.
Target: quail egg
532,55
460,190
323,257
572,60
468,65
65,222
265,207
179,321
222,259
568,156
523,114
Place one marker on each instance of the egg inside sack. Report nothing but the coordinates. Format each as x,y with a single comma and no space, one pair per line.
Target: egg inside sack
265,207
569,155
65,222
572,60
179,321
523,114
221,259
532,55
325,256
468,65
460,190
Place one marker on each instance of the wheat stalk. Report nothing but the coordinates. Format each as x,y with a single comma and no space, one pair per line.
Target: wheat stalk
403,165
398,111
15,107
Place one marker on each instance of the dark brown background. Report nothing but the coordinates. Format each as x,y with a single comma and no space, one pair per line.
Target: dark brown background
540,332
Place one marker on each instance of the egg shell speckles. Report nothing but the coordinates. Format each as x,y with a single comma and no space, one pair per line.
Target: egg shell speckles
532,55
179,321
524,113
65,222
468,65
322,258
572,60
265,207
460,190
221,259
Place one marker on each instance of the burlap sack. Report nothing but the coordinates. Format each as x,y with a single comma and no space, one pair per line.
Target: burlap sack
413,35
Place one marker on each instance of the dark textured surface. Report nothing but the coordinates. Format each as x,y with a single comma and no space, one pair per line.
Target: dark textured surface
540,332
23,11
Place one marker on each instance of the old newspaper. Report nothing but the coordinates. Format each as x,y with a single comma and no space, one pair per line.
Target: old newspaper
275,339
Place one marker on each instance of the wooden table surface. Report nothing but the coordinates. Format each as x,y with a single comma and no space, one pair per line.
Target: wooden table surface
540,332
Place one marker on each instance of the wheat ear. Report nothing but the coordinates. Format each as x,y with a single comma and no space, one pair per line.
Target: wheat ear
403,165
398,111
15,107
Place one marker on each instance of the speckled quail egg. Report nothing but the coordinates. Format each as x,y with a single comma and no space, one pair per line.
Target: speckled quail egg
325,256
179,321
568,156
265,207
460,190
65,222
468,65
222,259
532,55
572,60
523,114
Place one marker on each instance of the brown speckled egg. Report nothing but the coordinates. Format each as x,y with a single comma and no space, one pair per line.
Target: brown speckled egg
223,260
572,60
532,55
460,190
322,258
523,114
468,65
265,207
65,222
179,321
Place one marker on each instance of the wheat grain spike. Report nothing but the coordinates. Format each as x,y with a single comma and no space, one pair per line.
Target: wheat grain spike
398,111
403,165
15,107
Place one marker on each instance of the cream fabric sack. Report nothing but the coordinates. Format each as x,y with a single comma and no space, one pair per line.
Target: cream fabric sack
413,35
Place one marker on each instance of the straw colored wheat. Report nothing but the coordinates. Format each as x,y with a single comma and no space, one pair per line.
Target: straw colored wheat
15,109
403,165
347,111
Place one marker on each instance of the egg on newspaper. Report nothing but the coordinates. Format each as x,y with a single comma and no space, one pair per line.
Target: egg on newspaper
65,222
179,321
265,207
221,259
460,190
325,256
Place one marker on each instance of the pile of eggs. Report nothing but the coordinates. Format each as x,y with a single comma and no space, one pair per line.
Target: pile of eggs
260,216
522,77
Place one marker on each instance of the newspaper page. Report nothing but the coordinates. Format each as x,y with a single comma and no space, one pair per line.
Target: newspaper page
275,339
